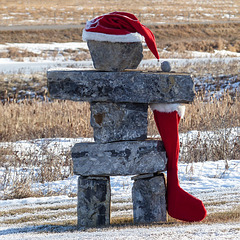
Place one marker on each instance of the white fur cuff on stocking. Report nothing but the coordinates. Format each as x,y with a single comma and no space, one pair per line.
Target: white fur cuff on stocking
169,107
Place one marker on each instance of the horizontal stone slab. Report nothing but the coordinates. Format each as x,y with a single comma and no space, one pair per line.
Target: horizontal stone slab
113,122
119,158
128,86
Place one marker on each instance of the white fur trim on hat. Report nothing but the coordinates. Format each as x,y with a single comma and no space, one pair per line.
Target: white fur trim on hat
169,107
131,37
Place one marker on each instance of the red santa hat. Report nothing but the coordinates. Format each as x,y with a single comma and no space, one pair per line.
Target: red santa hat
119,27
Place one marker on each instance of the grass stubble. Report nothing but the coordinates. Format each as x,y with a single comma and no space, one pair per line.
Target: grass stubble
42,217
36,12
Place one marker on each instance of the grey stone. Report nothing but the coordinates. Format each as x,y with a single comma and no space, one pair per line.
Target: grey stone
142,176
129,86
119,121
115,56
149,200
94,199
118,158
166,67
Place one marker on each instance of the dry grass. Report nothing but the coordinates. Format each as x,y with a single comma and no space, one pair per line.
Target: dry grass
192,37
213,114
216,217
24,168
218,116
43,216
78,11
36,209
222,217
21,86
34,119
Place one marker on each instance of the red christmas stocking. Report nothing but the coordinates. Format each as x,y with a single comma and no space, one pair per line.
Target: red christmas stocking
181,205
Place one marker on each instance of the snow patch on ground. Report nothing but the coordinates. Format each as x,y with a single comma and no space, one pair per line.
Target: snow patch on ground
194,231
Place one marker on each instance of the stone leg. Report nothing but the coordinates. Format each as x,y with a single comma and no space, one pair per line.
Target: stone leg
149,199
94,199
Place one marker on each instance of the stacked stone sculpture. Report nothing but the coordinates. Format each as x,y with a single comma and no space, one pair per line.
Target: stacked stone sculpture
119,106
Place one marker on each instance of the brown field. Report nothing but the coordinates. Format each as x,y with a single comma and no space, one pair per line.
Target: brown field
31,12
192,37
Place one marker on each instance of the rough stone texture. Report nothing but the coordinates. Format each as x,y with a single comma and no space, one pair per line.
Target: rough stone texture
115,56
141,176
118,158
129,86
149,200
166,67
94,199
119,121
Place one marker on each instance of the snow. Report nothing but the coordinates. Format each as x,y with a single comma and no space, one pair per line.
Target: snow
39,47
12,67
212,231
39,64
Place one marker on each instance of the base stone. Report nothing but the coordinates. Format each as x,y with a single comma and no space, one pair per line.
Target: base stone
94,200
149,199
113,122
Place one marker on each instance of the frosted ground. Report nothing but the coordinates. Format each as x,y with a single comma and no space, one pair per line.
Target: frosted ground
216,183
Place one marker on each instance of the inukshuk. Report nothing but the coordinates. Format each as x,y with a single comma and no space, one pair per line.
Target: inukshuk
119,105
